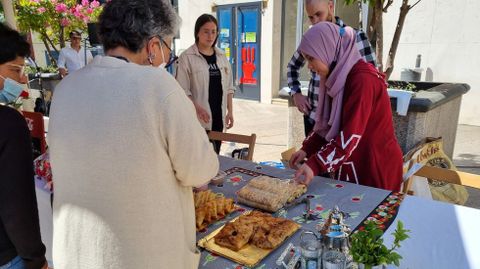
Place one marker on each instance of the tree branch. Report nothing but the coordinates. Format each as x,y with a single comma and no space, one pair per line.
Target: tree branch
389,3
410,7
396,38
49,52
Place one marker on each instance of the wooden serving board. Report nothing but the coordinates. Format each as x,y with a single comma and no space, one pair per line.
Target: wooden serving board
249,255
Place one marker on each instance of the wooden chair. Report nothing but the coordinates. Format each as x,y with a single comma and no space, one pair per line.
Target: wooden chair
444,175
243,139
37,132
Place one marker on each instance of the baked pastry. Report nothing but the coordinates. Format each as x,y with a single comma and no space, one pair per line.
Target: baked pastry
210,207
269,193
257,228
235,235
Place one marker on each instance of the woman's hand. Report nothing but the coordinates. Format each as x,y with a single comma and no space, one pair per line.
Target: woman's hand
304,175
296,158
201,188
202,113
229,120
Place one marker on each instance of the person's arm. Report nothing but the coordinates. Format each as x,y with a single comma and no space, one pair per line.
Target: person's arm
365,48
89,56
357,106
293,73
231,91
18,202
61,64
191,154
312,143
229,116
182,75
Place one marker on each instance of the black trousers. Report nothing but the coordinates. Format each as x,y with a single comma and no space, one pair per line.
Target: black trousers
217,125
308,124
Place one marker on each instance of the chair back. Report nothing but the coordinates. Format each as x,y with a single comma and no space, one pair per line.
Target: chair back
237,138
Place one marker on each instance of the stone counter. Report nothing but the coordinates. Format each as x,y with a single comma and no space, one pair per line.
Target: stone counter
433,112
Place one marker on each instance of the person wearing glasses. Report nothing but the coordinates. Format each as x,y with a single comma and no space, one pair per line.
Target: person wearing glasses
73,58
21,246
205,74
126,157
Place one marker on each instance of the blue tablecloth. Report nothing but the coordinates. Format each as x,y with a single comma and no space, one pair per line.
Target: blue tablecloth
355,200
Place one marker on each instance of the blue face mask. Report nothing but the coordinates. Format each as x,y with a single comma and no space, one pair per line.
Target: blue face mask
11,90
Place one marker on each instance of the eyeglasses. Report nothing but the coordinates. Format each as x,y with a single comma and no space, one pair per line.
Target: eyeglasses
172,57
165,43
21,70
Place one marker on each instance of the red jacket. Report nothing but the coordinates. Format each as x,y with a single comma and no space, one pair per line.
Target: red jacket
366,150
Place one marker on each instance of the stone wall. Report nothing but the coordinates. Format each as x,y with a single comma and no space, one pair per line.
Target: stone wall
440,121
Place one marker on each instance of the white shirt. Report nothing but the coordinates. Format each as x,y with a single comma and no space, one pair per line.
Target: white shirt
72,60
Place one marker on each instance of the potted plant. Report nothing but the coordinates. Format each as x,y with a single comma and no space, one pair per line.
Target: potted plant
368,250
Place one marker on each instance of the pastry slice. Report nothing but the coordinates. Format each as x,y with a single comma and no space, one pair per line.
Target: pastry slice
273,232
234,235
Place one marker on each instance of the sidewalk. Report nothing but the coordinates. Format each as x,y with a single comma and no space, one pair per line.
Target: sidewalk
269,122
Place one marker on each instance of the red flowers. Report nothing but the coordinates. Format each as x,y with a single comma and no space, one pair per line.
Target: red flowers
24,94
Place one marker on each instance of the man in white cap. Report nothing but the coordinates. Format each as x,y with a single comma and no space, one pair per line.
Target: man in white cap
73,58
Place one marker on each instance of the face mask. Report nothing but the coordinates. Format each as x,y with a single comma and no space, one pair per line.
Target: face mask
163,64
11,90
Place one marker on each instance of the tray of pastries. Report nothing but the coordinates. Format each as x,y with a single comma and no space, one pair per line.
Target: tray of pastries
211,207
250,237
268,193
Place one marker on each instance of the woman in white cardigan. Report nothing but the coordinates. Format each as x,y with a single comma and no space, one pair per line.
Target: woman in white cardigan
125,158
205,74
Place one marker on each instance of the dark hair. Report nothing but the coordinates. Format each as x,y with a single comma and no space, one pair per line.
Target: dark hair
204,18
12,45
131,23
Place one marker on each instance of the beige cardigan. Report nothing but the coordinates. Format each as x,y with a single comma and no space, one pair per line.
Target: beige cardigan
125,158
193,75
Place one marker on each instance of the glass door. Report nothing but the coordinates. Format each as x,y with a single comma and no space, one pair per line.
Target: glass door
240,37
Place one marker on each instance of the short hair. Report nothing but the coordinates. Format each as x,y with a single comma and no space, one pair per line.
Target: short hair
131,23
12,45
204,18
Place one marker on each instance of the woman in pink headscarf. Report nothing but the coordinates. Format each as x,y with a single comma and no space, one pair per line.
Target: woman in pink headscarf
353,138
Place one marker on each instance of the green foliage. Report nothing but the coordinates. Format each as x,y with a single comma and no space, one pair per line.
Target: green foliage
401,85
370,2
367,245
54,19
47,69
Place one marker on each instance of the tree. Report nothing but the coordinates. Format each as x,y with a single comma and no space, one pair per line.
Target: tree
53,19
375,29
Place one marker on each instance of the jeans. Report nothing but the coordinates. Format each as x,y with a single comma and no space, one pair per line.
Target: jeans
16,263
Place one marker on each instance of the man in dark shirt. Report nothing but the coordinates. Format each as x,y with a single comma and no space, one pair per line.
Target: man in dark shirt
21,246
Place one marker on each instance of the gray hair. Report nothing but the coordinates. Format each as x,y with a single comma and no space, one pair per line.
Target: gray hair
131,23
